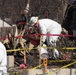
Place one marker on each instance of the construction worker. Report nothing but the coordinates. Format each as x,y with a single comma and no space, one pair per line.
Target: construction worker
3,60
48,26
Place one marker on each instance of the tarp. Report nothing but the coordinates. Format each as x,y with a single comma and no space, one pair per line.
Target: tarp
4,24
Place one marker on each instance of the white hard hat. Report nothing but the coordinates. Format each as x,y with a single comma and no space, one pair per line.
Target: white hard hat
33,20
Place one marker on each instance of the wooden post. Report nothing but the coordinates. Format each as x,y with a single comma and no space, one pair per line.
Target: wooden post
40,51
45,65
24,57
24,47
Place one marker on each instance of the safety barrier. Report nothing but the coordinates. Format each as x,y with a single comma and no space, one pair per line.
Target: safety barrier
65,48
68,48
65,35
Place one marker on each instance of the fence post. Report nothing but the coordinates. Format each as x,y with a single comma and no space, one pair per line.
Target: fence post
40,50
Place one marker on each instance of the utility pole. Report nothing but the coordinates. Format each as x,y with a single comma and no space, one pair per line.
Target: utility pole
26,12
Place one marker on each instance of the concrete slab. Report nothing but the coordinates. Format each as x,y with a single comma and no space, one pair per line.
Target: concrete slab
10,61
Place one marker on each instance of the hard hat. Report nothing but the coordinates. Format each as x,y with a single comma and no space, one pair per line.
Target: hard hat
33,20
